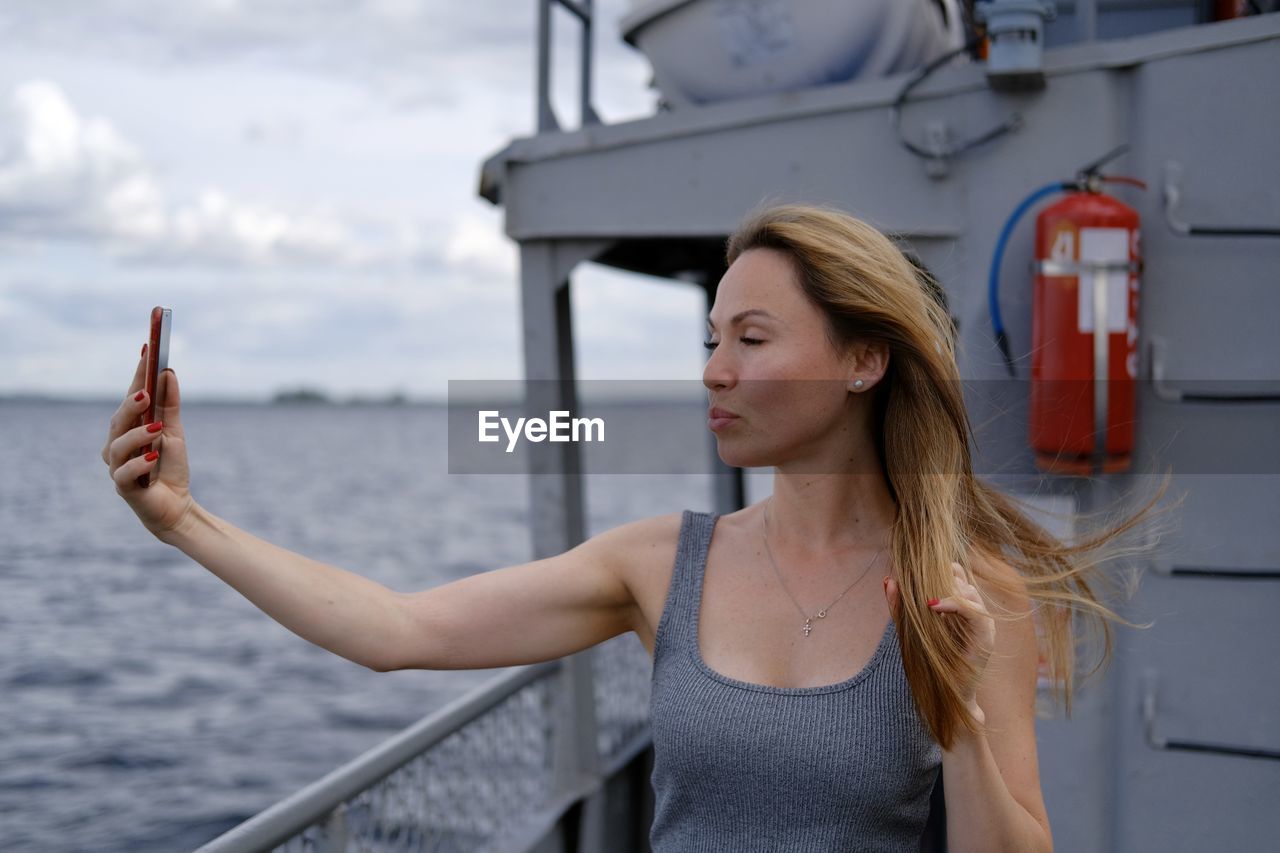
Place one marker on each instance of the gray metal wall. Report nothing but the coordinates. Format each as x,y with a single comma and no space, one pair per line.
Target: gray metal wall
1199,771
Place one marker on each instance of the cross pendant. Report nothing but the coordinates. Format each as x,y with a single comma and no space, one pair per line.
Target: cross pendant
807,627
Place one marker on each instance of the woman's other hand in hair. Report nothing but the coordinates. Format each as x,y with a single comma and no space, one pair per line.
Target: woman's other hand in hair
968,605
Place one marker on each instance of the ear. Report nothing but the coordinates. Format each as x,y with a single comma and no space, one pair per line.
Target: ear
877,358
868,360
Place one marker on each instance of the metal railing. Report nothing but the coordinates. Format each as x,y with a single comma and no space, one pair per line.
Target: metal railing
477,774
580,9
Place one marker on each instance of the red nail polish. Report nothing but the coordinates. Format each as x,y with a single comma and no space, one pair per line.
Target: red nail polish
155,427
139,395
143,352
932,602
151,457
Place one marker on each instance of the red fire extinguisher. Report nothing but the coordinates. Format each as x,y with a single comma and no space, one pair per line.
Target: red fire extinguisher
1084,353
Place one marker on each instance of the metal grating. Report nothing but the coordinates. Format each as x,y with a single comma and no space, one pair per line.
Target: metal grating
622,673
458,794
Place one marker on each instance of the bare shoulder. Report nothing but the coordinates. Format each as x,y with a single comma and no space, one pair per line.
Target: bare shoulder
642,553
550,607
646,555
637,547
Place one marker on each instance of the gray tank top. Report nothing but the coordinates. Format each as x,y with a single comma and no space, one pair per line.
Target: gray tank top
752,767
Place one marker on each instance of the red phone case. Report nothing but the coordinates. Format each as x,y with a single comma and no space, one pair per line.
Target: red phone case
152,379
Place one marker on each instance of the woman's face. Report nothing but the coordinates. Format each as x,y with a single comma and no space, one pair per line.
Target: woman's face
772,366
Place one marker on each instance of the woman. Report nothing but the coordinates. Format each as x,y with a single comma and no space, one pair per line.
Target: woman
794,705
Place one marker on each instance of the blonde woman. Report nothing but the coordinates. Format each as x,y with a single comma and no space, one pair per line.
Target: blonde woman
795,705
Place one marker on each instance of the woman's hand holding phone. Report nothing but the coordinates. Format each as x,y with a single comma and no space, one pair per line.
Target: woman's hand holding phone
166,501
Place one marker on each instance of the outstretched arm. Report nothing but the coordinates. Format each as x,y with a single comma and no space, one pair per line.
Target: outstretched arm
350,615
522,614
531,612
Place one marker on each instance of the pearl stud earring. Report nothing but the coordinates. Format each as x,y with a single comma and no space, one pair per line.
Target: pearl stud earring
857,383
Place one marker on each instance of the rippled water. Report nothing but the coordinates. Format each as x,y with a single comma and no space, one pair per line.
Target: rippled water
144,704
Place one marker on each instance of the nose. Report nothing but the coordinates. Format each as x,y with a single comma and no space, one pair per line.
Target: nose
718,373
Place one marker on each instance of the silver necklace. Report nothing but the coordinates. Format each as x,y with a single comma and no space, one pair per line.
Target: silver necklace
821,614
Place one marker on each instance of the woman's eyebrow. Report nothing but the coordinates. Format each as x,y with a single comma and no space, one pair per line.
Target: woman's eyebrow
737,318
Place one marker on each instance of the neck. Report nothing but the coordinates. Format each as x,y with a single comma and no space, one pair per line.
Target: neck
829,513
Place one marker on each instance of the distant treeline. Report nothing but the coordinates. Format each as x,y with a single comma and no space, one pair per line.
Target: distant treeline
314,396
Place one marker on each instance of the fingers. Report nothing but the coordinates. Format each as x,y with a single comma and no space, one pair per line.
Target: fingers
966,599
124,446
139,376
944,605
127,414
126,476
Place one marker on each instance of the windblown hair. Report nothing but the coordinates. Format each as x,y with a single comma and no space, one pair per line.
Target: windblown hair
870,290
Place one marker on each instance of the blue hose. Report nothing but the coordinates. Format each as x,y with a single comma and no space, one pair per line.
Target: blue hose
993,280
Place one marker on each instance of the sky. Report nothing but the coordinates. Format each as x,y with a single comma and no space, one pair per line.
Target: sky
297,180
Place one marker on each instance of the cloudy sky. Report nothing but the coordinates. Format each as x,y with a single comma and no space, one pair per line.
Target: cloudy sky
297,180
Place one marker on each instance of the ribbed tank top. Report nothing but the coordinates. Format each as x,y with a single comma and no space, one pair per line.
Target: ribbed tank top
753,767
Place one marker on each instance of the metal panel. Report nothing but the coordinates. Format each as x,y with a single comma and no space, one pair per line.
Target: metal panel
700,186
1200,708
676,184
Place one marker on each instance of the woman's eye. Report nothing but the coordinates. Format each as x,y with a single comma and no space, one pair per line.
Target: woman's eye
747,341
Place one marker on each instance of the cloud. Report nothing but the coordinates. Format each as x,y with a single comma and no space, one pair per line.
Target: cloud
411,52
479,244
327,152
52,162
65,176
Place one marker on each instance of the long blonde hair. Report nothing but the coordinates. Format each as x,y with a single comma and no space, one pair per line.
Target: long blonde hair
869,290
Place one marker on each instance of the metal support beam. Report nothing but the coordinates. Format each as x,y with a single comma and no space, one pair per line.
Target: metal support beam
1086,20
556,505
582,10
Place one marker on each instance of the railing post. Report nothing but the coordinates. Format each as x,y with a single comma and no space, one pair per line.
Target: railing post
582,10
588,23
335,829
556,502
546,116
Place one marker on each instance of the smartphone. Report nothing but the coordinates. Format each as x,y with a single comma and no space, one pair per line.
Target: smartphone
157,361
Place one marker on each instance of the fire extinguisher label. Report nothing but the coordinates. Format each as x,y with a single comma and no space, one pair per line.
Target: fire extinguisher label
1104,245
